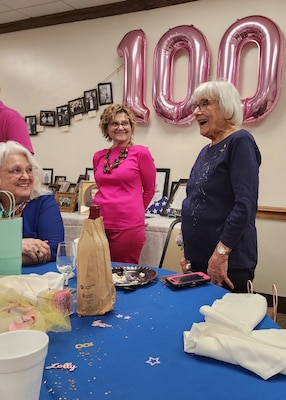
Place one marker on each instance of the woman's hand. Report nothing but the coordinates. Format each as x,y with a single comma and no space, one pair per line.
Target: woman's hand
184,263
35,251
217,269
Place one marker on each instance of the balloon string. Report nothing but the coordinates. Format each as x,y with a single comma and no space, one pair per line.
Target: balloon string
116,71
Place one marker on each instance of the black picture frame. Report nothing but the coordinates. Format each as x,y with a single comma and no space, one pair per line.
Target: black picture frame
162,184
173,207
54,187
73,188
47,118
105,95
76,106
90,99
173,185
31,122
82,178
59,179
63,115
90,174
47,176
66,201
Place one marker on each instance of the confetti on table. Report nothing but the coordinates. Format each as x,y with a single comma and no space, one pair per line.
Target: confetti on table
100,324
153,361
127,317
119,316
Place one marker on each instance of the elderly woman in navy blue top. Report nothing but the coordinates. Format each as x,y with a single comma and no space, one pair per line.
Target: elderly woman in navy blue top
42,222
218,215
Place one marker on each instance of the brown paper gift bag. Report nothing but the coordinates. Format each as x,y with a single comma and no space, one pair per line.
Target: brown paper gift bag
95,288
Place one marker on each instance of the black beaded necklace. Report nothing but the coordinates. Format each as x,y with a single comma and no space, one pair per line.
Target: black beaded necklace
107,167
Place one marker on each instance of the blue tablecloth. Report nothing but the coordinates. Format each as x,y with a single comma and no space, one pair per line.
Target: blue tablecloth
146,327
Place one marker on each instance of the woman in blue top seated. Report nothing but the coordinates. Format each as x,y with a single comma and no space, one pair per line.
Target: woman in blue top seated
43,228
218,215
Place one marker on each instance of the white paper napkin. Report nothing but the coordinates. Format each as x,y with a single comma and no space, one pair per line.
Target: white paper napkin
31,285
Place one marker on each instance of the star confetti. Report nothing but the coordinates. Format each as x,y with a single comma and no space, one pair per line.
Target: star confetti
153,361
100,324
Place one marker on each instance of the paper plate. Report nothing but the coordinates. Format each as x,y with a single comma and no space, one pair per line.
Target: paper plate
133,275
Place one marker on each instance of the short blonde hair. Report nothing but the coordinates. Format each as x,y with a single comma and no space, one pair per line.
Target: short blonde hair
228,98
11,147
109,114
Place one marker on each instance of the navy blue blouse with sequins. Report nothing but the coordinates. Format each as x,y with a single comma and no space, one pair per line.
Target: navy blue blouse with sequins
221,202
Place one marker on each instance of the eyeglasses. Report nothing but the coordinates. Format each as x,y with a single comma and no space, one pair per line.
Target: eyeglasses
116,124
18,172
203,104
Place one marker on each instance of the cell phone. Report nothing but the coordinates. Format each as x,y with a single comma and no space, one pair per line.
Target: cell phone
188,280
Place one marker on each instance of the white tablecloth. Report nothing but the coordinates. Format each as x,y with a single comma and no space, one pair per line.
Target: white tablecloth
156,233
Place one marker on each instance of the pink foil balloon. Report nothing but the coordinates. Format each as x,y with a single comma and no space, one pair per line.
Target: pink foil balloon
185,37
133,50
266,34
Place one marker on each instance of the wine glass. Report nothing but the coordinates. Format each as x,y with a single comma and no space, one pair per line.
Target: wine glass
65,260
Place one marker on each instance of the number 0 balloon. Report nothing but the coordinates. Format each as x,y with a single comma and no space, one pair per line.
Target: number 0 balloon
193,41
266,34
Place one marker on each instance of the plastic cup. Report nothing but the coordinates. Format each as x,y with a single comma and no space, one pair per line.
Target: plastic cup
22,358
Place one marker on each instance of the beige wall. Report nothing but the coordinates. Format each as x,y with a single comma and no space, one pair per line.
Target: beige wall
44,68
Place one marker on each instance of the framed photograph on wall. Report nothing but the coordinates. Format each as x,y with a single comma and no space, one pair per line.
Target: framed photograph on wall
31,122
66,201
47,118
77,106
105,93
63,115
87,192
47,176
90,173
174,205
90,99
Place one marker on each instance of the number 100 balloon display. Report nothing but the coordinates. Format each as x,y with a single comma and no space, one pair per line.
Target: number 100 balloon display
255,29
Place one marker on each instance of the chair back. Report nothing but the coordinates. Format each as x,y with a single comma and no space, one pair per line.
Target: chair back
172,253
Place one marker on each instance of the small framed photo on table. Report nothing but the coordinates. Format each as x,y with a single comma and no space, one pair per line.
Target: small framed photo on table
87,193
64,186
173,208
162,183
54,187
47,176
90,174
66,201
60,178
105,93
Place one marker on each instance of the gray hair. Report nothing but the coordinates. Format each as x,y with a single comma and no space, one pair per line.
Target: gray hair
228,98
11,147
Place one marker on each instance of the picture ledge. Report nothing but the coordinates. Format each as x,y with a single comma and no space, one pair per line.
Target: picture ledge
271,212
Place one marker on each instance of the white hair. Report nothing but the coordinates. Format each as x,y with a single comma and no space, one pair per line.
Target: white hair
228,98
11,147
